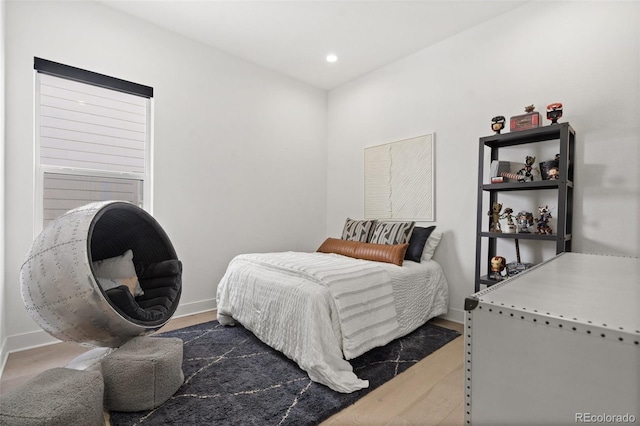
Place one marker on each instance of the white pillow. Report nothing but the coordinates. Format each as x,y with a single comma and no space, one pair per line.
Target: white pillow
117,271
432,243
132,284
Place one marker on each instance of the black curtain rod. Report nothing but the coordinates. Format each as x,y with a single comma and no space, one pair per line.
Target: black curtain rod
90,77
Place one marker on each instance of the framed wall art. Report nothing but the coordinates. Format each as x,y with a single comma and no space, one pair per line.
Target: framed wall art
399,180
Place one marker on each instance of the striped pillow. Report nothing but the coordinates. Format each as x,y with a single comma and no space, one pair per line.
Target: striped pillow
392,232
358,230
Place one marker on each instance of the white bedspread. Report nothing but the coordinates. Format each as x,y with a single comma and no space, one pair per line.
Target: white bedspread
286,300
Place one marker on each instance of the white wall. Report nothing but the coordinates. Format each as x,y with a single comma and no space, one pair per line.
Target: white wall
3,321
239,150
583,54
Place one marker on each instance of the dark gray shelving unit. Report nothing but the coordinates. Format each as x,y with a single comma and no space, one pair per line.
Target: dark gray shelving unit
563,186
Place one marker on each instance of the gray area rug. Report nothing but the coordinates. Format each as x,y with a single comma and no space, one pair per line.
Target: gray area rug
232,378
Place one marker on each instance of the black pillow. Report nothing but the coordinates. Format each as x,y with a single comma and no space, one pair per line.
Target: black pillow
418,239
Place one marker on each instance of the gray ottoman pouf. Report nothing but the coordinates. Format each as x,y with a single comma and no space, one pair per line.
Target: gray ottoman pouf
56,397
142,374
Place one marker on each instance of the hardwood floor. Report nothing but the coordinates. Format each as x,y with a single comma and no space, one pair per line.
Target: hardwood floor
429,393
24,365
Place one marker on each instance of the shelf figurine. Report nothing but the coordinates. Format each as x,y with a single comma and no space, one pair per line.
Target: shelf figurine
525,220
494,224
511,226
526,173
516,267
543,221
546,168
554,112
497,123
498,263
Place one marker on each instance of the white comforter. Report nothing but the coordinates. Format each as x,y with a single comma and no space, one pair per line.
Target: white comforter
287,301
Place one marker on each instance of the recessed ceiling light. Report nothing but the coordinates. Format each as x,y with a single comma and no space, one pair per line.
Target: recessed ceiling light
331,57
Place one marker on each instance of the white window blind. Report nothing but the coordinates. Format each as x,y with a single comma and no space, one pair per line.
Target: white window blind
63,192
84,126
93,140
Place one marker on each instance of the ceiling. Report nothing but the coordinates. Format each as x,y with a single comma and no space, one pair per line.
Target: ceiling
294,37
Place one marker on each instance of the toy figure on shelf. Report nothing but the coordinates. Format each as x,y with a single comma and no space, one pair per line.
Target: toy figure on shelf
554,112
497,123
525,220
498,263
543,221
550,169
516,267
494,224
526,172
511,227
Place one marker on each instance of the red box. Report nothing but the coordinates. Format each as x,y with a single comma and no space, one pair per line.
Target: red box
530,120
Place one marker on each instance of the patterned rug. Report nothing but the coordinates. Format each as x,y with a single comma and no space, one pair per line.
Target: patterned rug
232,378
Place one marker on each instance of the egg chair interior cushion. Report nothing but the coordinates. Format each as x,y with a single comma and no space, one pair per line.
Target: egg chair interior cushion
122,228
160,282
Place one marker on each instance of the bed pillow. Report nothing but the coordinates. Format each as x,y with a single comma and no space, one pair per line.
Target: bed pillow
119,268
339,246
358,230
131,283
392,232
432,243
366,251
417,242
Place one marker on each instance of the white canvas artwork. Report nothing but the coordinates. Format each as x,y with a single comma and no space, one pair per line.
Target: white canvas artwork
399,180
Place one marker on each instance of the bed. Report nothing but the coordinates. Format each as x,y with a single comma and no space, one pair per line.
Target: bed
321,309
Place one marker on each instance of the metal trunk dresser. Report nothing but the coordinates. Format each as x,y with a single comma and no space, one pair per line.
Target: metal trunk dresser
557,344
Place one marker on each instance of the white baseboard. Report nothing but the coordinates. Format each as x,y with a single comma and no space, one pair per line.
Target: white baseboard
455,315
3,355
34,339
30,340
195,308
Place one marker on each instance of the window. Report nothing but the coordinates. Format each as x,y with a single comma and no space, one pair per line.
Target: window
93,140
